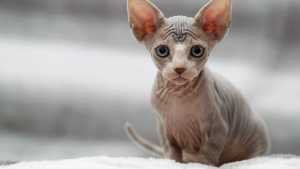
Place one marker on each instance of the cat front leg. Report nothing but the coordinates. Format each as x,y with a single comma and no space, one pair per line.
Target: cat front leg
210,153
214,138
170,147
172,151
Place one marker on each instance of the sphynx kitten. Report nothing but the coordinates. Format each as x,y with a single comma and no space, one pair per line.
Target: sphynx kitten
201,116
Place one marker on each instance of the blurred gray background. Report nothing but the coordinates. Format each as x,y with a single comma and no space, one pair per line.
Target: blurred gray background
71,74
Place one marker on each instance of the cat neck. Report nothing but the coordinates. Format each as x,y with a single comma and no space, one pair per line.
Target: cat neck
167,88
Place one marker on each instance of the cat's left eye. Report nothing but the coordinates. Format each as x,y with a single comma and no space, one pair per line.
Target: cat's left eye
197,51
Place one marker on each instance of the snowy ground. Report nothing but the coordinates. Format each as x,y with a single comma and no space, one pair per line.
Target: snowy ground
269,162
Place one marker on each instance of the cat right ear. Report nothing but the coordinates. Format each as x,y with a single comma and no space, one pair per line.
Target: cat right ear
144,19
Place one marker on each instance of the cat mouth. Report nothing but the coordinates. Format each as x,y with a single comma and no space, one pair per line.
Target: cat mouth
180,80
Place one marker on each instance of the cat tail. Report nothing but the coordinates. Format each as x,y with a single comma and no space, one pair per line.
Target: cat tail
141,142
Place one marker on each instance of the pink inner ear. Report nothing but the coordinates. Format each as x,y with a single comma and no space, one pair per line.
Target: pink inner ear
143,16
217,14
149,26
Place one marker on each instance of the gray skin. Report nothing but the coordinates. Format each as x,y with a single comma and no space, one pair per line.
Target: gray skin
201,117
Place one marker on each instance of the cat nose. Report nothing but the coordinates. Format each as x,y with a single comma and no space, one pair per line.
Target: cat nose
179,70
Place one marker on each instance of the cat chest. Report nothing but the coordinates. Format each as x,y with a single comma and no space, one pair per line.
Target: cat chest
185,134
182,119
180,109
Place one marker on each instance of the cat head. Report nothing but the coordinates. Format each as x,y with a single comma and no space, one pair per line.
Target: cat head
179,46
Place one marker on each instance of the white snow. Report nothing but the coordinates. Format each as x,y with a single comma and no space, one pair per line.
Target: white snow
104,162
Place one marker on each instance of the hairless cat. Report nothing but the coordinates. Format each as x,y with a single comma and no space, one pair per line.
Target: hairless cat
201,116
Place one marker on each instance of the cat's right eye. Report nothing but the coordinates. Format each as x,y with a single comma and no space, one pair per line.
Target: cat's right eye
162,51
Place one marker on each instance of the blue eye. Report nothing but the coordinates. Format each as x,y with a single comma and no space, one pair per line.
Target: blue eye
197,51
162,51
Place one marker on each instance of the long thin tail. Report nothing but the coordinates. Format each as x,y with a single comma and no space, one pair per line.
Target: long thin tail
152,148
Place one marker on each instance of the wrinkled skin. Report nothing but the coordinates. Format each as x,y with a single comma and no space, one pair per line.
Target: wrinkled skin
201,117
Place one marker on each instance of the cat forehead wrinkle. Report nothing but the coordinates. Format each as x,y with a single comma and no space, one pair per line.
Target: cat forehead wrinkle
179,28
168,41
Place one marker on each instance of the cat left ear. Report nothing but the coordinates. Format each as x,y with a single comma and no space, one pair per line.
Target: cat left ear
214,19
144,19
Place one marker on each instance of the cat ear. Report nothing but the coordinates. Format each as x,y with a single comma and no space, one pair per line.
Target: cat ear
144,19
214,19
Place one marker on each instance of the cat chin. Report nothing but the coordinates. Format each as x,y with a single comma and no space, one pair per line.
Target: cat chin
180,81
